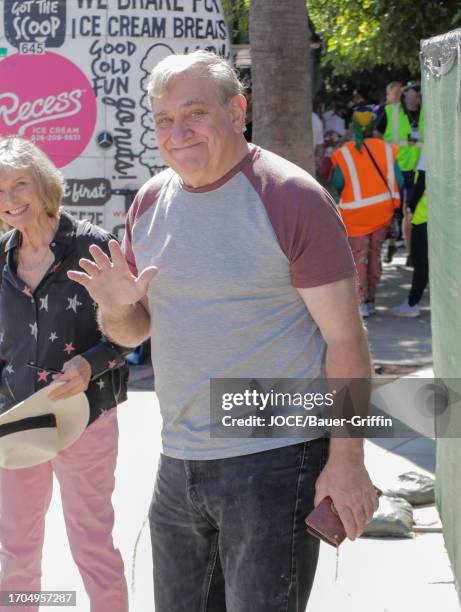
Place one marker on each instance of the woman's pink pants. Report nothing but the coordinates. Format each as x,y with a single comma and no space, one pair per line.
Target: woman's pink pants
85,472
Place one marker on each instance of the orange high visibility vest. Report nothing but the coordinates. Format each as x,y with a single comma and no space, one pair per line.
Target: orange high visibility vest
366,205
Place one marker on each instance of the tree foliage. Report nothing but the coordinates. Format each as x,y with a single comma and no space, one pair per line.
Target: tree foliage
362,34
359,35
238,18
365,43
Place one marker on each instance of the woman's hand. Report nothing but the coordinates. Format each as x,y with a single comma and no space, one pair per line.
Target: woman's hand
110,281
76,374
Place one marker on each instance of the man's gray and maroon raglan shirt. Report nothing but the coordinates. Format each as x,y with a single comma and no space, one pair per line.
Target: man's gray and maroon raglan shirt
224,302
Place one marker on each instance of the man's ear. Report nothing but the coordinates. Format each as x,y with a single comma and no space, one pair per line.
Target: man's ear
237,111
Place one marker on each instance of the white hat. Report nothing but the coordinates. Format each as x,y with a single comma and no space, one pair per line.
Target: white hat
35,430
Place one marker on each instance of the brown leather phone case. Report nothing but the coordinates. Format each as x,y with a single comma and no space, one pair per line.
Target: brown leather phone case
324,522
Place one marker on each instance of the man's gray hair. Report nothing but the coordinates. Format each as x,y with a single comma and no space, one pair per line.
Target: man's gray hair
204,63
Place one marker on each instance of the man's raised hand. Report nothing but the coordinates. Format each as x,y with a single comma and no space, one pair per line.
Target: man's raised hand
109,281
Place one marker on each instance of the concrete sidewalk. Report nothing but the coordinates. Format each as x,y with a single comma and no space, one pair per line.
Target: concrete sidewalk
396,340
374,575
390,575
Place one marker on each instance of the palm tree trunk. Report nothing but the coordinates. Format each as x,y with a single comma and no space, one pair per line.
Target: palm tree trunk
282,100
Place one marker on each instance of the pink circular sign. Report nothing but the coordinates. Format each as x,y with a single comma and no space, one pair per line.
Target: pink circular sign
49,100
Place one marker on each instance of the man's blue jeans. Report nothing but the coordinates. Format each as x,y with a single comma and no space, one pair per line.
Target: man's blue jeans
228,535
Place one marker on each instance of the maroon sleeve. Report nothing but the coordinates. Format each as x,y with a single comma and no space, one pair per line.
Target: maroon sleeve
305,219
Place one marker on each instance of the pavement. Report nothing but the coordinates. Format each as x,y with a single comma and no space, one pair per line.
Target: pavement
398,340
375,575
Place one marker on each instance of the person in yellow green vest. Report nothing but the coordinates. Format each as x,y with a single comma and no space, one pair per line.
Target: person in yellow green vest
366,175
402,124
393,93
419,247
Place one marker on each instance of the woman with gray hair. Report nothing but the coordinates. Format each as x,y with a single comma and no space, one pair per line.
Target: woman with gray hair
48,324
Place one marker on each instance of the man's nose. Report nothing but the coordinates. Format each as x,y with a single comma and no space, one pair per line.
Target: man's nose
179,131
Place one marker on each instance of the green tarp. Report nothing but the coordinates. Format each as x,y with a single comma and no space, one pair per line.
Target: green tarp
441,87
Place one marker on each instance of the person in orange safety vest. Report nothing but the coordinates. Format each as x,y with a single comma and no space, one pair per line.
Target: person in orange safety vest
367,177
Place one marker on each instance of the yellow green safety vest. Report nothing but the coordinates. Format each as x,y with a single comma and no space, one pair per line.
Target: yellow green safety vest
420,214
398,129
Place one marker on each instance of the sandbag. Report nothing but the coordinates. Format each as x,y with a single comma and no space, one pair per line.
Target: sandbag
416,488
394,518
